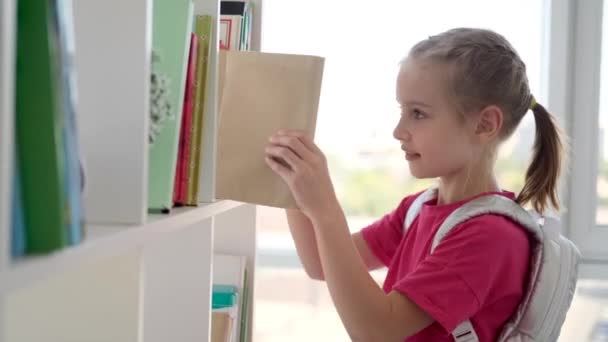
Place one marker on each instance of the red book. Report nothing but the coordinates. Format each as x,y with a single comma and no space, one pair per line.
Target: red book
180,190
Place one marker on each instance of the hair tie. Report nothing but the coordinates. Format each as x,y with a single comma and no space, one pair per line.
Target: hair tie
532,103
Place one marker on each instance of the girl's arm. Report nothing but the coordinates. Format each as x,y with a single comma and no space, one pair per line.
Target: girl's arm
306,245
367,313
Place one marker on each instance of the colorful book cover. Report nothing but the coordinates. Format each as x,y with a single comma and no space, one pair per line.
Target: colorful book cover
181,174
39,127
172,23
230,32
203,30
74,205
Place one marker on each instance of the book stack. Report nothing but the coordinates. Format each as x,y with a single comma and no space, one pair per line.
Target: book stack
181,54
235,25
224,313
47,212
230,299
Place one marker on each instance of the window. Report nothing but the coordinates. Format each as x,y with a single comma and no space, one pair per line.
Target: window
602,175
587,199
560,42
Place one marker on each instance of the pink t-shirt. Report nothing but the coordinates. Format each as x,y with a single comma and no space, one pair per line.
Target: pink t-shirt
477,272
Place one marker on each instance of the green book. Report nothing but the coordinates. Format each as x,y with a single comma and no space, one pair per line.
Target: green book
172,27
203,27
245,310
39,126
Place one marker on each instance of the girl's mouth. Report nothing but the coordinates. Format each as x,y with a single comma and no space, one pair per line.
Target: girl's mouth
411,156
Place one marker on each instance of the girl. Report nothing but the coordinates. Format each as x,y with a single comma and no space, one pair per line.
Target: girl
461,93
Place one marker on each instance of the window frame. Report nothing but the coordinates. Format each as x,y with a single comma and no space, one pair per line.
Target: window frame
573,81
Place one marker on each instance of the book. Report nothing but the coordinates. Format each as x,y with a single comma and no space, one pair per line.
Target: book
72,170
224,296
39,127
203,30
247,27
224,305
172,22
17,225
260,94
185,140
222,324
230,32
244,309
232,270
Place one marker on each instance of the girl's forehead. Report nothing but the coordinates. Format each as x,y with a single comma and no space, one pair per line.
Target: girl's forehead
421,80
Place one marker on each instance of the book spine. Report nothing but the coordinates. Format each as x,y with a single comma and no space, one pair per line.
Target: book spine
181,175
203,32
39,127
74,206
17,225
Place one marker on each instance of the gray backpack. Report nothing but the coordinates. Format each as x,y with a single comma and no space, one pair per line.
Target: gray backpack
553,269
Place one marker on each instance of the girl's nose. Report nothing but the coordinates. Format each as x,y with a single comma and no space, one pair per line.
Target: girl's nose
401,132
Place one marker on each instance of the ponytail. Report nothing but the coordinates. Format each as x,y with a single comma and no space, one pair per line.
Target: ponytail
540,188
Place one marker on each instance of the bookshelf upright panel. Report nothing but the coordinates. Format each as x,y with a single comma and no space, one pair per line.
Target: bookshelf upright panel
113,54
7,62
177,285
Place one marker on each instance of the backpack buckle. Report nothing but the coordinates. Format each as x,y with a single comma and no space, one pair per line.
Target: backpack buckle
465,332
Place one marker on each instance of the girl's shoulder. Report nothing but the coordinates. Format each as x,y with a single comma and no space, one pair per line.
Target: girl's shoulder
406,203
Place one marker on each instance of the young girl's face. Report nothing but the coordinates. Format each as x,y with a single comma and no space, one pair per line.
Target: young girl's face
435,137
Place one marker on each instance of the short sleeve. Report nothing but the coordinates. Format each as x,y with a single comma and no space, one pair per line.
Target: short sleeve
384,235
456,280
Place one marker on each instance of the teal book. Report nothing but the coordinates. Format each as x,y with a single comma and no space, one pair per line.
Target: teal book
39,127
17,225
172,28
224,296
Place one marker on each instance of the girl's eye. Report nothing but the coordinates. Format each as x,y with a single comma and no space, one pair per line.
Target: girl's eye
417,114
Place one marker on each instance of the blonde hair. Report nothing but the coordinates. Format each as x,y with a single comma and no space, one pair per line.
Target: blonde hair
484,69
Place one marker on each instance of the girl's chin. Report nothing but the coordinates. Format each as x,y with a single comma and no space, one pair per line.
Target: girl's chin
420,173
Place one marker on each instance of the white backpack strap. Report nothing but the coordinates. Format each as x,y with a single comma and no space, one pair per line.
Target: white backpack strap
414,209
491,204
465,333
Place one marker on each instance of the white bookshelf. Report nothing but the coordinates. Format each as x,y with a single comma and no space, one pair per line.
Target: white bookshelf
7,58
137,276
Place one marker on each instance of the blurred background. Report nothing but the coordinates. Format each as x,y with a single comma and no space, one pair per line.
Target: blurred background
363,43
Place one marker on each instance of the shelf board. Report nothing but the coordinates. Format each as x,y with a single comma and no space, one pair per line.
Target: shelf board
106,240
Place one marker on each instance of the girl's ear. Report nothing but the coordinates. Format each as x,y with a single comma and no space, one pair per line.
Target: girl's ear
489,123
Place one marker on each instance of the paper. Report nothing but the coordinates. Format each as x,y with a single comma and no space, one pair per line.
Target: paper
261,93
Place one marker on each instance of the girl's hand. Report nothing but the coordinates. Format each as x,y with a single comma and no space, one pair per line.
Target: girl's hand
302,165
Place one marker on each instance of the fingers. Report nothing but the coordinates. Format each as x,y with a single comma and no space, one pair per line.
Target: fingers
278,166
304,138
283,156
293,143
